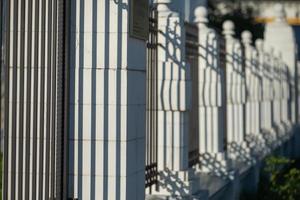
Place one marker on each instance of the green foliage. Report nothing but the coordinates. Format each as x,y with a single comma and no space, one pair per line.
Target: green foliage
284,180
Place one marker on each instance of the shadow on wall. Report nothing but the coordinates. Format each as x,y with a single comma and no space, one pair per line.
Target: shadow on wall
95,97
211,96
173,90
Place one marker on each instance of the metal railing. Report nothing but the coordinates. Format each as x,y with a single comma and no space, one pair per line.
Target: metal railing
222,62
192,55
151,173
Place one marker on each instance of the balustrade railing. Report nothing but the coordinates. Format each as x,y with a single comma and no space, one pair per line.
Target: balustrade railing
151,103
192,55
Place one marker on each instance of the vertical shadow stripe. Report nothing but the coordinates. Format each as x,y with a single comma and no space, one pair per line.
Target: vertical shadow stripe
6,101
21,101
42,103
14,99
48,100
28,101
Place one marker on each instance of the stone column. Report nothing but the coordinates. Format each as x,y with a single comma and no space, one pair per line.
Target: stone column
211,92
174,84
268,130
250,83
284,41
252,74
285,94
259,44
277,104
107,103
235,82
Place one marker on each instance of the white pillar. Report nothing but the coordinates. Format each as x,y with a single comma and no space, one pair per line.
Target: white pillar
173,90
250,83
235,83
253,119
211,91
284,41
174,84
268,64
107,103
259,44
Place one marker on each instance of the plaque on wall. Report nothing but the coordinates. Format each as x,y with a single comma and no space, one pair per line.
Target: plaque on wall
139,19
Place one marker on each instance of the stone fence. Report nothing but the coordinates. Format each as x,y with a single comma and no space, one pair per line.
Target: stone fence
224,104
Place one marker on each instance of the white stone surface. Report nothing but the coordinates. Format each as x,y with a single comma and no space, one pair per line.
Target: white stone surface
211,105
107,104
173,88
284,41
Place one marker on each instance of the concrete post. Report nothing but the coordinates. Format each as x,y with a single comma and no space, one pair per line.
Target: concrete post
269,131
107,103
252,107
262,90
174,84
249,54
211,91
284,41
236,97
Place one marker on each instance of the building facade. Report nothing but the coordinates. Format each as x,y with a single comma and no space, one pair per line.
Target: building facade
141,100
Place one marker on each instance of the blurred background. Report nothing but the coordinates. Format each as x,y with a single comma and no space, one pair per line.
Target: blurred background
253,15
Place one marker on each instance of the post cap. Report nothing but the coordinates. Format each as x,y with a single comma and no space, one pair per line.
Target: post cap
228,27
201,15
246,37
259,43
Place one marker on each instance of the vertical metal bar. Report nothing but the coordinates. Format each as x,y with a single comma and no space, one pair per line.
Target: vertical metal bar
155,92
42,98
60,120
28,101
222,54
67,95
14,99
6,95
53,125
21,101
48,104
35,97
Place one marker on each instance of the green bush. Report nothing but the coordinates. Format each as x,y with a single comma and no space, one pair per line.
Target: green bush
284,179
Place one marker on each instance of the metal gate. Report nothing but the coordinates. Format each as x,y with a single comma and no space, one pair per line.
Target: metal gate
151,173
35,98
222,59
192,55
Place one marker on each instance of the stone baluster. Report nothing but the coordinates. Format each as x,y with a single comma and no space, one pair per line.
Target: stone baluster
252,74
278,100
250,82
259,44
262,97
211,90
174,84
269,62
236,97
